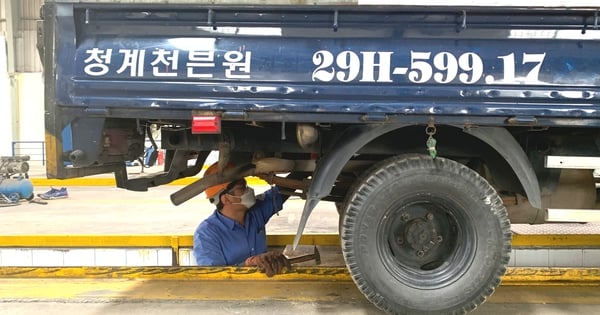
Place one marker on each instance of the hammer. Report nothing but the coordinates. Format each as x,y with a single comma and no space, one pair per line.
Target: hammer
315,255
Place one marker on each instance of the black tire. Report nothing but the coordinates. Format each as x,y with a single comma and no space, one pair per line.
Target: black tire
425,236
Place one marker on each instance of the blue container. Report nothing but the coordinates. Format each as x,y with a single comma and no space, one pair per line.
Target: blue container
19,186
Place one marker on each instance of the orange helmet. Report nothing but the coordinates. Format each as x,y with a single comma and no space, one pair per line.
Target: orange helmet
213,192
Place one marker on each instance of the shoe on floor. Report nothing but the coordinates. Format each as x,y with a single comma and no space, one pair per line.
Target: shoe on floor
54,193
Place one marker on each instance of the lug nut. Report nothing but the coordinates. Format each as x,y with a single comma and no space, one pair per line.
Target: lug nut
399,241
420,253
429,216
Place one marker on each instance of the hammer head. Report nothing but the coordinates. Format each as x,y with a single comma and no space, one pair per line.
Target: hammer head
317,256
302,253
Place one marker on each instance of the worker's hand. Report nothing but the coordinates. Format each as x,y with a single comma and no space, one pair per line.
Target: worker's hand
270,263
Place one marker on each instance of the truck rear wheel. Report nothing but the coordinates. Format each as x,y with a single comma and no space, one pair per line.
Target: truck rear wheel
422,235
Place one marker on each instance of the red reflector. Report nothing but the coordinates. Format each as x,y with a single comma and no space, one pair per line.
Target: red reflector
206,124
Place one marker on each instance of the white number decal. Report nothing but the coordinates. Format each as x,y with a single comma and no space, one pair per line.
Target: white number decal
534,73
509,68
348,60
447,63
470,62
421,70
323,59
444,68
532,76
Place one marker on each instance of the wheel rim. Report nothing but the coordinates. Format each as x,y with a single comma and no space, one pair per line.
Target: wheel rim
427,243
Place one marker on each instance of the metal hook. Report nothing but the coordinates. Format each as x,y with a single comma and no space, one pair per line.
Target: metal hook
87,16
430,130
463,24
211,19
335,20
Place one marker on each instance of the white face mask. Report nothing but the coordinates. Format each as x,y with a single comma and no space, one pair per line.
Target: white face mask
248,199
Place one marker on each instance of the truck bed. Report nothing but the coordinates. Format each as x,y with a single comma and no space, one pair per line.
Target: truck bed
395,60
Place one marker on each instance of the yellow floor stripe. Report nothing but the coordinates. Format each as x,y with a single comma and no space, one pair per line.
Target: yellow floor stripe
513,276
111,241
556,240
552,276
95,241
175,273
108,181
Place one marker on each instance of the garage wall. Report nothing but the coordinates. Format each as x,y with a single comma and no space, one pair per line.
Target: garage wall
5,102
21,84
30,93
26,55
24,35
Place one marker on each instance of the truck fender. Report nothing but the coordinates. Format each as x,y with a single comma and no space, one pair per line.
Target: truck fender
504,143
355,137
330,165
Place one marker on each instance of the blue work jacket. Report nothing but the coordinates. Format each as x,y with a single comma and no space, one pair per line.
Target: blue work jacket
221,241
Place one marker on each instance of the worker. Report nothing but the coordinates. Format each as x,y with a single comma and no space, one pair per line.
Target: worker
234,235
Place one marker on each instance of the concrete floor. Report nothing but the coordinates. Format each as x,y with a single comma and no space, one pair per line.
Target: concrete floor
110,210
264,307
263,297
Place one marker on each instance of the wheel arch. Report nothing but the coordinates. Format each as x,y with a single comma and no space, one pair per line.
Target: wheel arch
332,163
505,144
356,137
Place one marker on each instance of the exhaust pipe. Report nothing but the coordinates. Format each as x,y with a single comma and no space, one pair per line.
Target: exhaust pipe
262,166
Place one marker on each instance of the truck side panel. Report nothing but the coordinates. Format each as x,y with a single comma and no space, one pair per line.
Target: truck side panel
385,62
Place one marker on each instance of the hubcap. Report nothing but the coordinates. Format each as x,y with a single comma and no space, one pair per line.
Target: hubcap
422,236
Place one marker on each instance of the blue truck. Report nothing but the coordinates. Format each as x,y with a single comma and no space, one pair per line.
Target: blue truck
432,128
